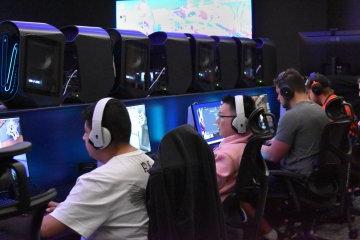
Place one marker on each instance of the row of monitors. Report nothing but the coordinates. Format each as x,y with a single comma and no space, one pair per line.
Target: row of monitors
10,132
44,66
201,115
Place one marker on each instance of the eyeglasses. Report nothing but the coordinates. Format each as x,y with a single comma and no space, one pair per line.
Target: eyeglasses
225,116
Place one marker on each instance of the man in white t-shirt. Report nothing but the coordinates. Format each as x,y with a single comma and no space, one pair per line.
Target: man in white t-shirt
108,202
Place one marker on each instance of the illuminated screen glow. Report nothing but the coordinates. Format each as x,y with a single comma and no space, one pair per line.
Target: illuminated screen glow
205,115
139,137
209,17
10,134
262,101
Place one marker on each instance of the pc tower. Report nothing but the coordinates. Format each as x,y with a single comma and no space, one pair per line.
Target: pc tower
246,56
265,61
131,57
31,64
227,62
203,52
170,64
88,64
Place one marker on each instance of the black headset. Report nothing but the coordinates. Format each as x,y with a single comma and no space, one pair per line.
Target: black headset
285,89
317,83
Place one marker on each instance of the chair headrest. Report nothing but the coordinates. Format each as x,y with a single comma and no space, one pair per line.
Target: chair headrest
336,109
261,122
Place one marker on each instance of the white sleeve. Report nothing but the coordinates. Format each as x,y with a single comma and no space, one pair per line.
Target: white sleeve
86,207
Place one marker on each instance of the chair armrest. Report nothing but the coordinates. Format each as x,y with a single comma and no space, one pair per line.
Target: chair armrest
14,150
282,173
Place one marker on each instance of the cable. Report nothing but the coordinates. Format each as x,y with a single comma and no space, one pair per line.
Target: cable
67,83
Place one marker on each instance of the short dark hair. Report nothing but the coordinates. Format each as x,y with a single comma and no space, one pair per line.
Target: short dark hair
318,77
292,78
115,118
249,104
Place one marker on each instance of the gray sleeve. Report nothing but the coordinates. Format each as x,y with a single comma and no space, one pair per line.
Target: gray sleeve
287,128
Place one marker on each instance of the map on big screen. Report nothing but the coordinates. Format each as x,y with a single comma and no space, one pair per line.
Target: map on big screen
211,17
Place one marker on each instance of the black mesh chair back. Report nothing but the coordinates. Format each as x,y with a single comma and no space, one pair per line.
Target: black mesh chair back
252,178
182,197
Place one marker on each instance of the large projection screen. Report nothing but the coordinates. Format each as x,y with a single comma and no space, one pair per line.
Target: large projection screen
209,17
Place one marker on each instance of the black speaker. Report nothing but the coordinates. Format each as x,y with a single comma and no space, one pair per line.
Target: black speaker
170,64
227,62
265,61
31,64
203,52
88,65
246,56
131,57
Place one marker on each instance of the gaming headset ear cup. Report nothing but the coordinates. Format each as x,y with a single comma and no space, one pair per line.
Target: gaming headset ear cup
99,136
240,121
239,125
317,88
106,136
286,92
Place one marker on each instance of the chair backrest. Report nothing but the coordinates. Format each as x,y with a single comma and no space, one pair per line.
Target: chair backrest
182,197
331,176
20,214
253,172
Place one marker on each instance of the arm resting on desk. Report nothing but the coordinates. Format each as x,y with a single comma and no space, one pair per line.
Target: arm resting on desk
51,226
276,151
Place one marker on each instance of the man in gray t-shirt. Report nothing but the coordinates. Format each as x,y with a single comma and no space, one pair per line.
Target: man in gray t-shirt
296,143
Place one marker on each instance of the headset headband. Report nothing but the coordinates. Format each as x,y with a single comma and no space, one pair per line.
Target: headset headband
240,120
239,105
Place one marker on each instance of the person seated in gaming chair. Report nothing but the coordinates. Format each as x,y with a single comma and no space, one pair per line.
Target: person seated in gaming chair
296,143
232,122
108,202
318,88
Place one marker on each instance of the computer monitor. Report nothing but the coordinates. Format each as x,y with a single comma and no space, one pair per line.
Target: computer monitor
204,116
262,101
212,17
330,52
10,134
139,129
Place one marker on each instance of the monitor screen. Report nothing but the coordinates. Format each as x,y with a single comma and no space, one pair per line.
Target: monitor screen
135,64
262,101
205,115
330,52
211,17
10,134
206,62
43,74
139,128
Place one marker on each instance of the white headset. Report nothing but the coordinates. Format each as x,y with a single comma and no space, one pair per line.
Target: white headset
99,136
240,121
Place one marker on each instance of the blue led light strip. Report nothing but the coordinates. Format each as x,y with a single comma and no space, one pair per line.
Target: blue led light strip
11,67
4,50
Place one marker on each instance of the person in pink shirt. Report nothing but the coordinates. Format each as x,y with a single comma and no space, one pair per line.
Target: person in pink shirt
228,154
232,120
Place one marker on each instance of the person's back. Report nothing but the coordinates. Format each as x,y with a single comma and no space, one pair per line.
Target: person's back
108,202
115,194
305,122
296,143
